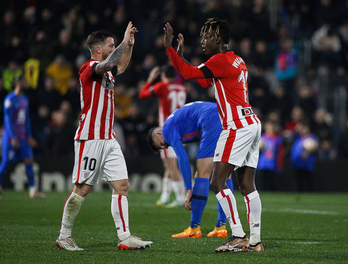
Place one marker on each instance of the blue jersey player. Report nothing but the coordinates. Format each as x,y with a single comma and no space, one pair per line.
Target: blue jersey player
17,138
198,121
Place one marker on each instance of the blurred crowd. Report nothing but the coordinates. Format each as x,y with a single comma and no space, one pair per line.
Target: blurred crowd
285,44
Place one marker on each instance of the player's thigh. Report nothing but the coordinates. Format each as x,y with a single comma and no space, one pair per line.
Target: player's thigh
204,168
235,146
114,167
167,153
25,151
89,157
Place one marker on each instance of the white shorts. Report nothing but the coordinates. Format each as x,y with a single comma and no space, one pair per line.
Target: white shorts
168,153
239,147
100,157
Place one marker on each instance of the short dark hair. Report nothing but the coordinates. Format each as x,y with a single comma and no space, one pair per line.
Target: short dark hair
150,140
218,27
17,78
97,37
169,71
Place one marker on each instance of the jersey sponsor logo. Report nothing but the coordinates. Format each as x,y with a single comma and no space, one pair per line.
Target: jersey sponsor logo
247,111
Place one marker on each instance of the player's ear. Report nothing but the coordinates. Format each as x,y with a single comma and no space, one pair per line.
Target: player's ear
97,49
159,132
218,40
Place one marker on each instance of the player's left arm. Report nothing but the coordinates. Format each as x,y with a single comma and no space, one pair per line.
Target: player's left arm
30,139
125,59
118,60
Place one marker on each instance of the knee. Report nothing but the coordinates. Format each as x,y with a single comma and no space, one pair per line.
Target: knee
214,186
121,187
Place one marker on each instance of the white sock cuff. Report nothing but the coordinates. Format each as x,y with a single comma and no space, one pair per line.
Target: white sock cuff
116,196
77,197
251,196
223,194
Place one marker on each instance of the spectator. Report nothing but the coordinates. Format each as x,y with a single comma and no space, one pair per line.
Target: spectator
303,156
279,101
60,70
327,46
66,46
323,129
271,157
289,129
286,66
41,49
40,128
307,101
258,19
12,71
48,95
60,137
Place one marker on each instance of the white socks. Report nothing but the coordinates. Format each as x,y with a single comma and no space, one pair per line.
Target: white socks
179,190
254,208
119,211
166,190
71,208
228,204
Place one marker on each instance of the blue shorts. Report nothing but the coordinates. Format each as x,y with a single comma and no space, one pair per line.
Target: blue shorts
10,154
211,130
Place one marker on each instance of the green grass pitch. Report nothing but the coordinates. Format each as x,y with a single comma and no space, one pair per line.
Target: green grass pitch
296,228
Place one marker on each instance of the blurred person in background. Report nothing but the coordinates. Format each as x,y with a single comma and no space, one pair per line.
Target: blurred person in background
303,155
17,139
194,122
271,157
171,96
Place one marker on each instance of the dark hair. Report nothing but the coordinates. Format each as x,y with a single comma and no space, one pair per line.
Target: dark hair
150,140
97,37
218,27
169,71
17,78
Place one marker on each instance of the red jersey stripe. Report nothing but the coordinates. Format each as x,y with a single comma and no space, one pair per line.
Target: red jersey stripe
121,212
82,146
228,145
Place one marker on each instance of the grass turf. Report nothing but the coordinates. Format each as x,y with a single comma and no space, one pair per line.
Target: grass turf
296,228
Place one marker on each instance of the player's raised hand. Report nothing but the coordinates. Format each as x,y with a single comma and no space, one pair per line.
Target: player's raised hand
129,34
153,74
180,48
168,35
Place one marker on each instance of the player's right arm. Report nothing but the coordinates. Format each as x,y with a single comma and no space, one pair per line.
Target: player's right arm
113,59
184,163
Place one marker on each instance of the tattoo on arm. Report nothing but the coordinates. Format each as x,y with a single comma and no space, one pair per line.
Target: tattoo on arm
112,59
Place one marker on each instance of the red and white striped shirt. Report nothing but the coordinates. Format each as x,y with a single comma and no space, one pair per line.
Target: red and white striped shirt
97,104
171,97
228,74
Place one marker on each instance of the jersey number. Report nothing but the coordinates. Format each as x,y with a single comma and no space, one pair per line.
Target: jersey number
90,163
177,98
21,116
243,76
